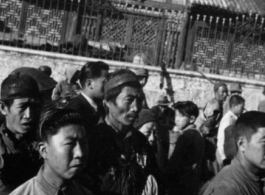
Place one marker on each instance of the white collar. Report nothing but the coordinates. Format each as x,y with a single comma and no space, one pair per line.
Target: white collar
90,101
232,114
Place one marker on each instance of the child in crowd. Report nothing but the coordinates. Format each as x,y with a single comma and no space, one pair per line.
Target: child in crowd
64,148
182,171
68,85
236,108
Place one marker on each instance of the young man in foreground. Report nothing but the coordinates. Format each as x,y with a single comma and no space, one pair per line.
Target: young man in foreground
244,175
20,105
64,148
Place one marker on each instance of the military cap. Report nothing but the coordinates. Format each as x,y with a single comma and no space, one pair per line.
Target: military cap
18,85
120,77
235,87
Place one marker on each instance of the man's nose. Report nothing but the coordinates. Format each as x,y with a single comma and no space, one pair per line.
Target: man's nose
27,112
152,137
81,150
136,105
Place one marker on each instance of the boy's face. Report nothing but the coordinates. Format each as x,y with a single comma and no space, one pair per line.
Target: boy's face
67,151
181,121
238,109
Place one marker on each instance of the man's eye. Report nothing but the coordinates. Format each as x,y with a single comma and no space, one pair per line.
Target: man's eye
69,144
130,100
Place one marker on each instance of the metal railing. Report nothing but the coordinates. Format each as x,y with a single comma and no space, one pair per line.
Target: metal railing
98,28
115,30
231,46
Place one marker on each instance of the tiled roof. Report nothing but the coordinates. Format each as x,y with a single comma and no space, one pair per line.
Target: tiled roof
240,6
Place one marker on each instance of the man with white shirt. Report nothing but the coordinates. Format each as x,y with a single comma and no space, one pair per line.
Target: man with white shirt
236,105
88,103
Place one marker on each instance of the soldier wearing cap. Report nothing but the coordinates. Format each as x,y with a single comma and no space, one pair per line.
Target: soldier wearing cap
20,107
122,157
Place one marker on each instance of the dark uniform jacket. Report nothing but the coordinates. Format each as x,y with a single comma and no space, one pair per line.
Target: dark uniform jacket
114,160
18,161
183,169
88,113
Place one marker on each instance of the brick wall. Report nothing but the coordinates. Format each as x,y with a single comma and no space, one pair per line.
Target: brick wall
186,85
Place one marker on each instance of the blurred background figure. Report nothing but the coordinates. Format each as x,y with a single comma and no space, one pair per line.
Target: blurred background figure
236,108
261,105
164,114
143,75
68,85
235,89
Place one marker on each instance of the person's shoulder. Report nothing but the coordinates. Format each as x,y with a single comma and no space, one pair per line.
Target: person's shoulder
222,188
80,190
225,182
100,130
192,133
25,188
76,102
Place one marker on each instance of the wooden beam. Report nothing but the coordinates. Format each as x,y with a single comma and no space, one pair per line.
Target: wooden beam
159,5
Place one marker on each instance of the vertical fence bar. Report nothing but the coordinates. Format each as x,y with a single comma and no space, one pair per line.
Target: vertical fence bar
188,40
261,28
122,38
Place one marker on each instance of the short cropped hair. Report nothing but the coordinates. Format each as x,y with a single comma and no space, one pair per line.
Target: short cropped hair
187,108
248,124
92,70
112,94
236,100
8,103
55,118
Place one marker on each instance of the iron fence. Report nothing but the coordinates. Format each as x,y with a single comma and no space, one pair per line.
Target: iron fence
224,44
98,28
232,46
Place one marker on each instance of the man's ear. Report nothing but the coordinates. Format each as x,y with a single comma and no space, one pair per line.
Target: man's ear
3,108
42,146
241,143
192,119
106,103
88,82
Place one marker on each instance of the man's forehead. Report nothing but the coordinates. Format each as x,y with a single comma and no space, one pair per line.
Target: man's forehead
260,134
223,87
70,132
128,91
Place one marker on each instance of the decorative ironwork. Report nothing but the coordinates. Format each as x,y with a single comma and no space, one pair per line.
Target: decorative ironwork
45,24
10,13
114,29
144,31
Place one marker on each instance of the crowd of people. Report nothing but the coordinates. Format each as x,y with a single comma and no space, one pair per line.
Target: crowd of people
94,133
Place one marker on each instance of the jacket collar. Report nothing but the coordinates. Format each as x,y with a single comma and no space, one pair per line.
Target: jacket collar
49,188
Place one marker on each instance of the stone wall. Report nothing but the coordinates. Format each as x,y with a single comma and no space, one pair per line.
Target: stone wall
186,85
